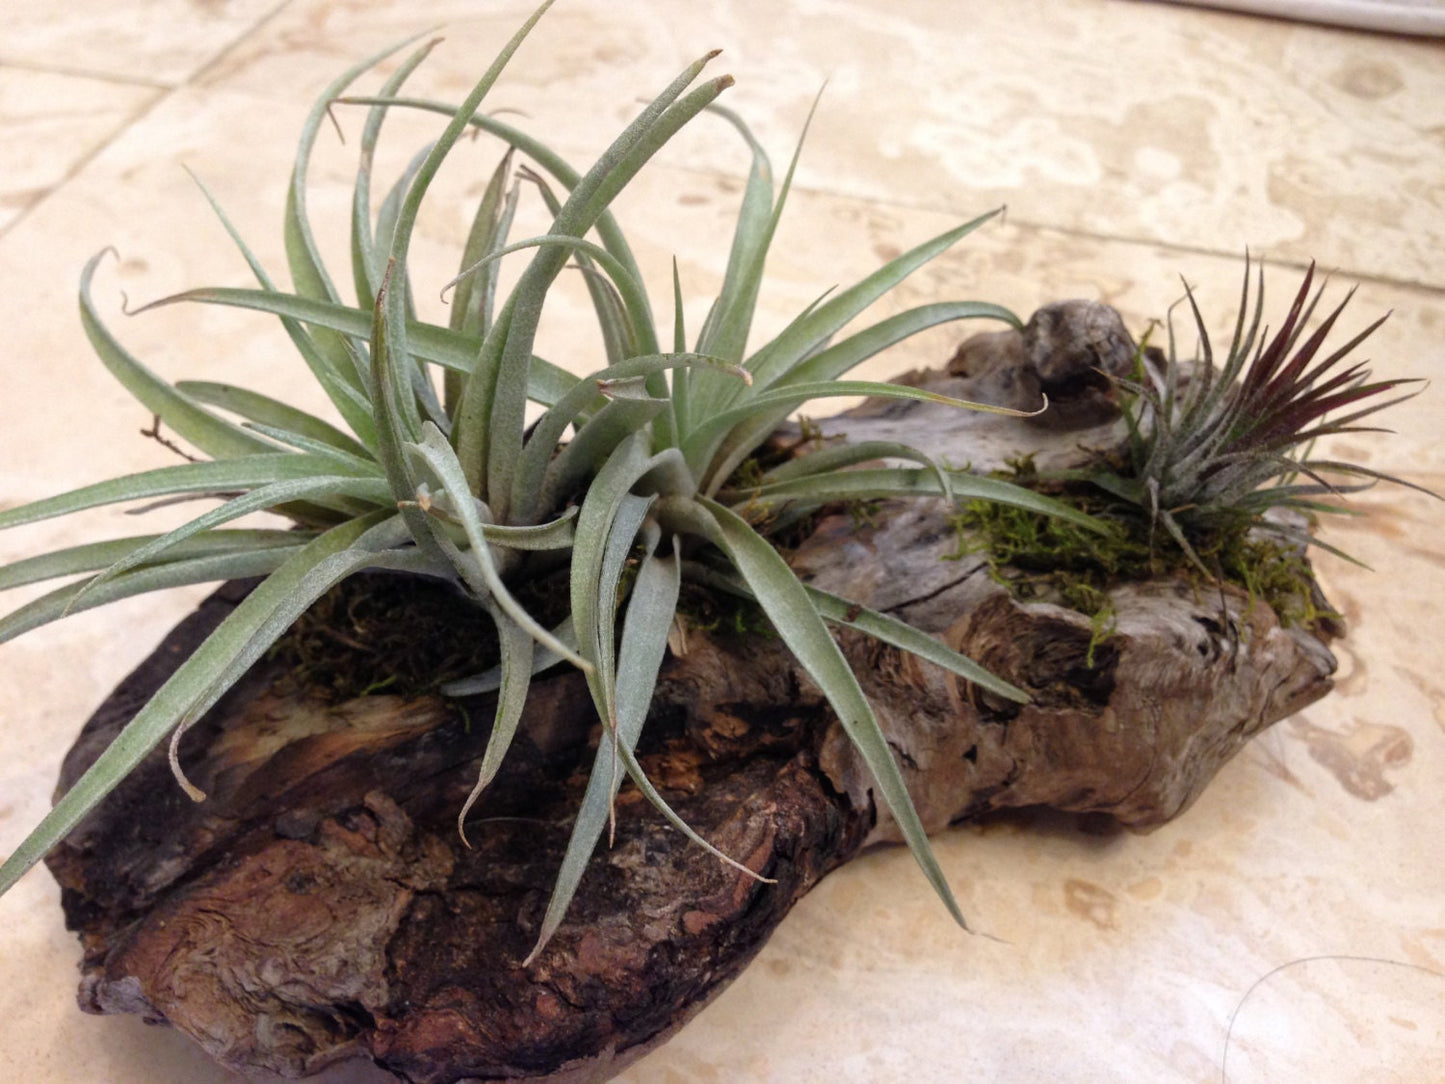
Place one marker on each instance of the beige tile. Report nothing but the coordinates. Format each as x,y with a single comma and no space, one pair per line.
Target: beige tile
49,125
1178,126
1121,957
159,42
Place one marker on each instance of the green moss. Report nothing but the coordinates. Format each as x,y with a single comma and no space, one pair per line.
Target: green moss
864,514
749,474
1280,576
1040,558
727,617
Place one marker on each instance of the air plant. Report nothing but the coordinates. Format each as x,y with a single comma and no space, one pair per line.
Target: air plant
1212,449
444,477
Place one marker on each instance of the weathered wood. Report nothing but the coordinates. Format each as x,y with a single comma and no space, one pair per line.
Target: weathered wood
320,905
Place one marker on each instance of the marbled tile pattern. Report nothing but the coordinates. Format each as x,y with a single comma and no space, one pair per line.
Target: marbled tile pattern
50,124
156,42
1133,142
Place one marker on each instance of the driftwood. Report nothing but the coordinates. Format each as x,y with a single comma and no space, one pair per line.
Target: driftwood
319,905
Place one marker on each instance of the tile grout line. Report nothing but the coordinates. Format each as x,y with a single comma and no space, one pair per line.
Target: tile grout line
231,46
163,92
1295,263
84,160
1299,264
81,73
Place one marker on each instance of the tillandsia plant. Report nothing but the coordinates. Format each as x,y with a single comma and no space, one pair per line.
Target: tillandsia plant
1213,448
626,469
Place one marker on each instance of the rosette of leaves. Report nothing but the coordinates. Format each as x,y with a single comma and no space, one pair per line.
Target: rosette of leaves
1214,447
434,469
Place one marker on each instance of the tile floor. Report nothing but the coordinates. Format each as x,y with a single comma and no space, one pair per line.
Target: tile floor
1303,898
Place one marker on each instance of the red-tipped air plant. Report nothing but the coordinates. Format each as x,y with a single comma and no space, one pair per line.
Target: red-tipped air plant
1213,448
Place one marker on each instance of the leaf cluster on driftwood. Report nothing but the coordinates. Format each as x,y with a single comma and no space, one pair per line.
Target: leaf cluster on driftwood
319,905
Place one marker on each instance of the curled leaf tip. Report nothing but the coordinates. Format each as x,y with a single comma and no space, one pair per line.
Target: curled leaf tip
193,792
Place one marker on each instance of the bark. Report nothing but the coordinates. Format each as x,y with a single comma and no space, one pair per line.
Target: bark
320,905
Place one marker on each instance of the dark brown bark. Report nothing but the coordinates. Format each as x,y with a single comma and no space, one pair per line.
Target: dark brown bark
319,904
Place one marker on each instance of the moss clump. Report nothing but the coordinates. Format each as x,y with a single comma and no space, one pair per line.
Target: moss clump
386,634
1044,558
729,618
1279,574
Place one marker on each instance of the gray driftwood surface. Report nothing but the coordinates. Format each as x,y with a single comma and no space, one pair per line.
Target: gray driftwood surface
319,904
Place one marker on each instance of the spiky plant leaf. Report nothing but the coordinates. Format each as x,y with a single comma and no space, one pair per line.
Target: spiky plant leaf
456,351
94,556
650,612
514,679
211,434
801,627
889,630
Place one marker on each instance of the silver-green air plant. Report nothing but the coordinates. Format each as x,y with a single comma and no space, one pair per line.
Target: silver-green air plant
434,469
1215,446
